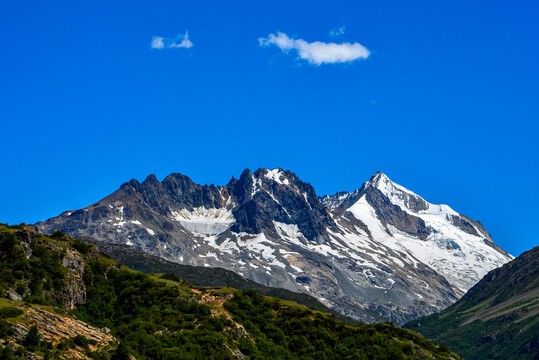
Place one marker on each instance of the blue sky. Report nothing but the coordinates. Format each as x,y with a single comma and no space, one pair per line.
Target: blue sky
444,100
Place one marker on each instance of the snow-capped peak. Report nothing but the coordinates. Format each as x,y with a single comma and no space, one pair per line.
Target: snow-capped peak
383,183
397,194
278,176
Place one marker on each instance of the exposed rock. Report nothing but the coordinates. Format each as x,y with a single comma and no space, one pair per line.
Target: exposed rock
54,327
392,214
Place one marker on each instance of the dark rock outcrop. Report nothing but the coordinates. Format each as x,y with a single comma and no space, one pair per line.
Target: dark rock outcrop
393,215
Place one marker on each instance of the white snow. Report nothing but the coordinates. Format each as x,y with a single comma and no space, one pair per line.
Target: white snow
290,231
136,222
227,246
204,221
276,262
307,200
297,269
462,265
276,175
259,245
150,231
210,254
120,213
284,252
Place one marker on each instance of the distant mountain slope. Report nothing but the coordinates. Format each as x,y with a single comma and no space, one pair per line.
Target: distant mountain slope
378,252
497,319
79,304
202,276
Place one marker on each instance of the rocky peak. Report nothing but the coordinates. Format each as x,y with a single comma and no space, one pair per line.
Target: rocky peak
397,194
344,199
243,187
133,183
269,196
377,178
151,181
177,185
276,175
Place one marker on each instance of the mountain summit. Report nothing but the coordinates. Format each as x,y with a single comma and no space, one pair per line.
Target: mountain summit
378,253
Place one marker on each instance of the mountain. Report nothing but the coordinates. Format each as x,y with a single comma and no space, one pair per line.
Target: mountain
378,253
498,318
62,299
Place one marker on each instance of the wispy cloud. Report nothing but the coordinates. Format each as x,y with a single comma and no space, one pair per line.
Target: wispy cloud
337,31
317,52
180,41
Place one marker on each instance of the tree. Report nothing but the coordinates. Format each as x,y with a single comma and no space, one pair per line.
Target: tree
32,338
7,353
121,353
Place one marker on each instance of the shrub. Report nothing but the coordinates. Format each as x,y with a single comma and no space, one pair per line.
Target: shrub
10,312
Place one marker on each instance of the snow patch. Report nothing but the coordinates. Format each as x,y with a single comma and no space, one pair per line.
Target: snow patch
204,221
227,246
210,254
276,175
259,245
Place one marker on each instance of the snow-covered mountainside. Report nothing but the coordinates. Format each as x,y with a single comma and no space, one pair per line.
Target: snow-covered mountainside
378,253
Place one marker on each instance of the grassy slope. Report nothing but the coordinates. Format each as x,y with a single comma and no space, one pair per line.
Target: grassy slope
497,319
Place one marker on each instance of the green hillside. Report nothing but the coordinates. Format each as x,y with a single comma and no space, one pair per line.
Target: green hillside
206,276
60,280
497,319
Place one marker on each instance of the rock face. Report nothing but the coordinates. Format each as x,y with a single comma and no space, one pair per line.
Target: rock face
73,292
378,253
53,327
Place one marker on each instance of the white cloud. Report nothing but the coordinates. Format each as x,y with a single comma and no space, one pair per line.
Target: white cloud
157,42
337,31
317,52
180,41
